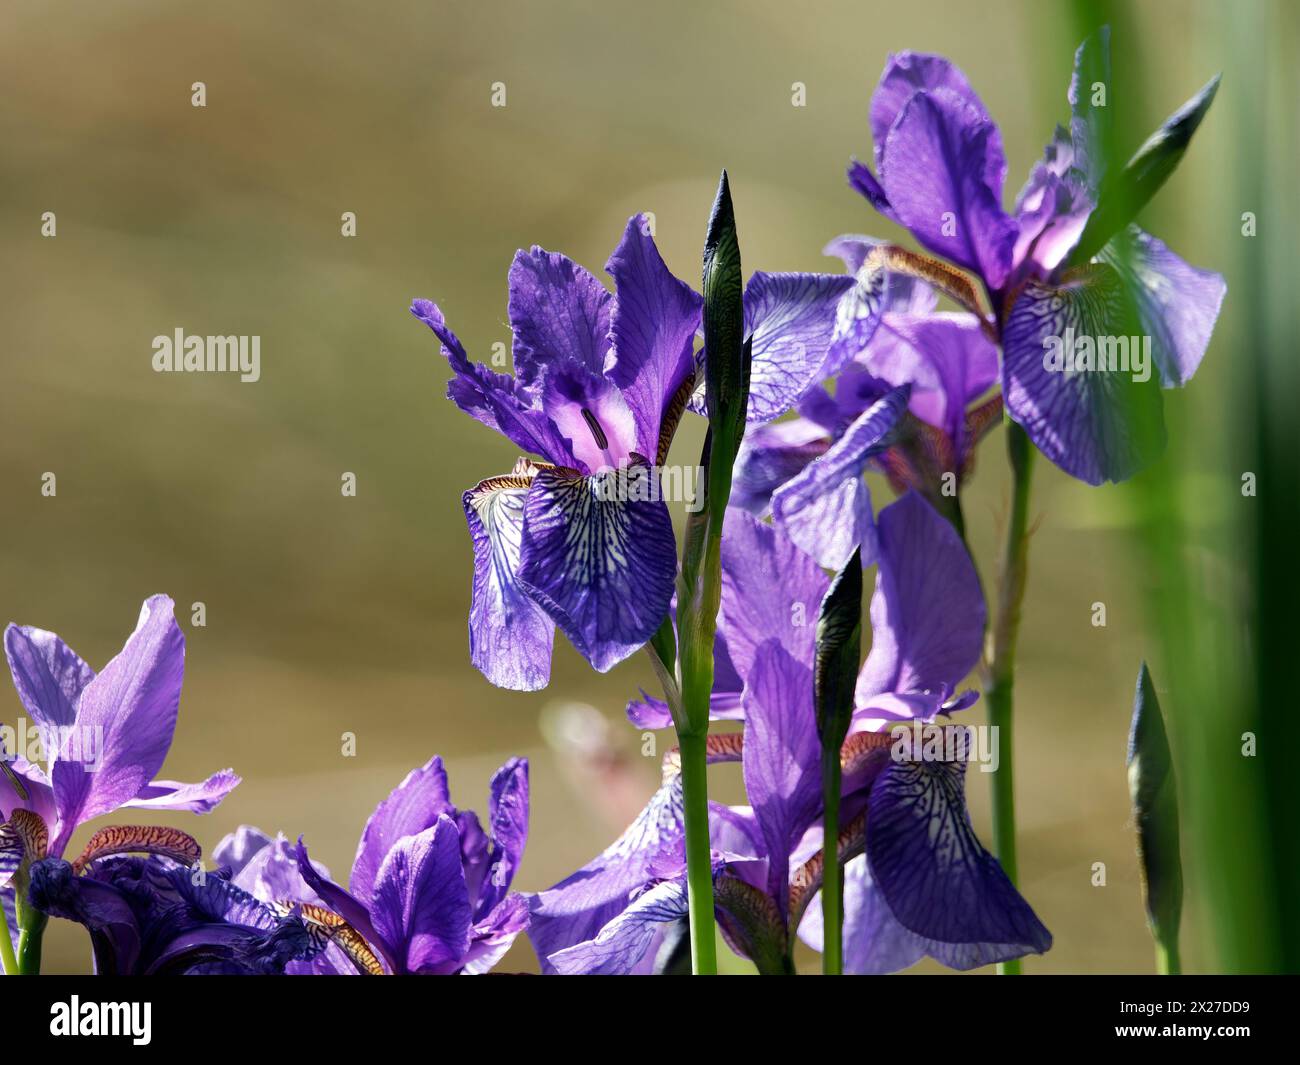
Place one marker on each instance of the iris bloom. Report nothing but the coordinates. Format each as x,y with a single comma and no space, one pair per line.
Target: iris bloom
105,736
907,833
152,916
430,889
940,169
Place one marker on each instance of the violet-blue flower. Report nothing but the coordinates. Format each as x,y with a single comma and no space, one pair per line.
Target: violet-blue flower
430,888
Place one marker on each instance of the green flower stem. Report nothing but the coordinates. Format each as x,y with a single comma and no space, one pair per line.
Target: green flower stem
832,877
31,932
1002,662
7,959
1168,963
699,853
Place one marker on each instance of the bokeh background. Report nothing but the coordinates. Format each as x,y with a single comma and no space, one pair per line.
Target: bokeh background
328,615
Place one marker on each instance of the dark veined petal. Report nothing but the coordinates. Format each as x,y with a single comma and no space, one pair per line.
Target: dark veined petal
624,942
769,456
599,556
558,312
345,904
826,508
421,906
653,328
943,170
933,873
1097,425
927,612
781,757
410,808
48,674
790,319
1176,303
131,707
494,399
510,636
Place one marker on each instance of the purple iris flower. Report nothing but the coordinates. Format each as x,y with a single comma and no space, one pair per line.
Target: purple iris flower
907,828
152,916
941,168
430,889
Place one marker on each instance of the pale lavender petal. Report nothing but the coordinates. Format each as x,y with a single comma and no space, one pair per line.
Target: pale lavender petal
495,934
1176,303
48,674
236,849
1097,425
927,613
826,509
627,938
781,757
131,710
410,808
421,906
592,415
653,329
943,169
1052,208
904,294
599,556
200,798
558,312
769,456
510,636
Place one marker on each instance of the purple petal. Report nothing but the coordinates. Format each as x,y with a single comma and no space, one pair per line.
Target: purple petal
200,798
864,182
508,823
495,934
770,589
592,415
904,294
1177,304
934,875
943,169
559,312
494,399
346,905
410,808
599,556
790,319
236,849
653,329
782,757
131,710
576,909
769,456
927,613
946,358
48,674
421,905
1052,208
1097,425
826,509
510,636
627,938
905,74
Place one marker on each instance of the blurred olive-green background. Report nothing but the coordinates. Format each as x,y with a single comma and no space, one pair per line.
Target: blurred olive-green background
328,615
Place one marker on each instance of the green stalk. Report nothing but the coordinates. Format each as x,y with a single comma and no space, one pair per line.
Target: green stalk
1168,963
699,854
7,959
31,932
1002,662
832,877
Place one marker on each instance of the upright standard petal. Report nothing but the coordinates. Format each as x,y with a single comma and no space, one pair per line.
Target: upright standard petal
410,808
131,709
826,508
653,330
1096,422
781,757
927,612
510,636
934,875
790,319
907,73
943,170
1176,303
508,823
598,555
420,905
558,312
48,674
